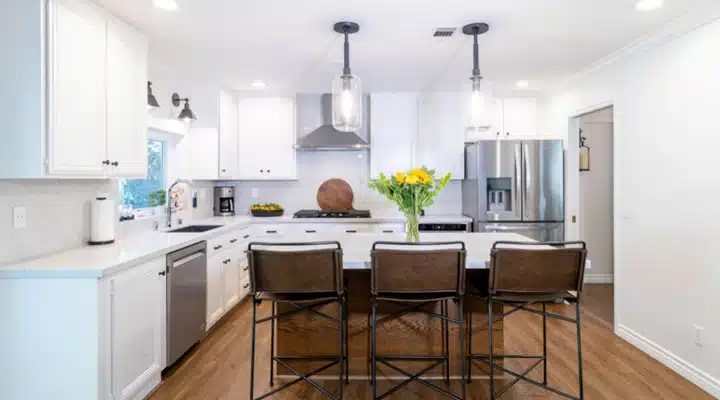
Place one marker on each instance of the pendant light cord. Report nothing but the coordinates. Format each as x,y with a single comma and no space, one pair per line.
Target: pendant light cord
346,68
476,62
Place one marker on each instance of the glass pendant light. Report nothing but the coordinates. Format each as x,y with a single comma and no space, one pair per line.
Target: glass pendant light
186,114
347,88
479,118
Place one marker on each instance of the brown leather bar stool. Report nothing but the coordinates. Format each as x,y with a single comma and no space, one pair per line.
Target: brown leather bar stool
306,276
415,275
523,274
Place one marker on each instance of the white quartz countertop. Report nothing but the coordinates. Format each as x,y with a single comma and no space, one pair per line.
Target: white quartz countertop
98,261
375,219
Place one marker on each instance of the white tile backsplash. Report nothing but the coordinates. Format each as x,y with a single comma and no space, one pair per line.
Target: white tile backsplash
316,167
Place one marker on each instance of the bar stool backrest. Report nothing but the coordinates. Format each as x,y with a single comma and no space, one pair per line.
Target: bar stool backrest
537,267
404,268
312,267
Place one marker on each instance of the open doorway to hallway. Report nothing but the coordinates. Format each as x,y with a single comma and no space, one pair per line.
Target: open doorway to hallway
596,133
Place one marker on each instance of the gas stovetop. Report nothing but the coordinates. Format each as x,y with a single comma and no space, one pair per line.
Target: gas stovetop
332,214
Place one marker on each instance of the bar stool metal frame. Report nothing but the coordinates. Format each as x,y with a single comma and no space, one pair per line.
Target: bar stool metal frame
297,297
520,300
421,297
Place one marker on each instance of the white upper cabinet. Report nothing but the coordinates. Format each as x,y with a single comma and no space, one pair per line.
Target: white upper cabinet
127,115
137,303
77,140
519,118
495,131
88,118
441,135
393,131
228,136
197,154
266,138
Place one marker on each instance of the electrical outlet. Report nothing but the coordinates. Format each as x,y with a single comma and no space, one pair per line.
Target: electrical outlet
698,335
255,192
19,217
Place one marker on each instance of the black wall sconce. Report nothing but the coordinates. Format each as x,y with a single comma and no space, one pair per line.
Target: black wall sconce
152,101
584,154
186,114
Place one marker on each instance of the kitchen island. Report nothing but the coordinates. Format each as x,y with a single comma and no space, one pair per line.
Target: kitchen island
305,334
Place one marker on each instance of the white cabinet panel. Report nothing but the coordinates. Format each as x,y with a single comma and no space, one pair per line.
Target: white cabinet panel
441,136
127,116
137,299
520,118
393,131
77,89
215,289
198,154
231,275
495,131
228,136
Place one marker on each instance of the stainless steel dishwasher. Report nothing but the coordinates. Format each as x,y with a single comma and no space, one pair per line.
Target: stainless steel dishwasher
186,298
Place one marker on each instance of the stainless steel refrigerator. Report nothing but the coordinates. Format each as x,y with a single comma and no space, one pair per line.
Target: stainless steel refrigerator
516,186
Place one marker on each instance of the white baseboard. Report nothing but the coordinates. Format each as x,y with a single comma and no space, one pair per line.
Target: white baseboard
598,278
688,371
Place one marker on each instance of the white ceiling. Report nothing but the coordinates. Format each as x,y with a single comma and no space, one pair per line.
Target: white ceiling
290,44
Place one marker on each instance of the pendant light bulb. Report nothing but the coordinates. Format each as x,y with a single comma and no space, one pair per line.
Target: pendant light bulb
347,88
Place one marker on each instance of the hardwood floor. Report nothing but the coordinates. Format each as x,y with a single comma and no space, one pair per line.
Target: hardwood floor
219,367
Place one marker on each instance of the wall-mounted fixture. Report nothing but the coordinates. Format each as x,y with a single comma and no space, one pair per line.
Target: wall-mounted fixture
347,88
152,101
478,108
186,114
584,154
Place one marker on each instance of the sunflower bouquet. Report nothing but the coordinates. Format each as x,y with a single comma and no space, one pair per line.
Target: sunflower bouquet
412,191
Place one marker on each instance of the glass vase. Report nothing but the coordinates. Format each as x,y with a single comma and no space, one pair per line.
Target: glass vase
412,229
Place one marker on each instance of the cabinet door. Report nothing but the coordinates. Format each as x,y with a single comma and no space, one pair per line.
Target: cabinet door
266,136
496,125
198,154
215,289
127,115
441,137
520,118
393,131
76,138
231,278
228,136
137,298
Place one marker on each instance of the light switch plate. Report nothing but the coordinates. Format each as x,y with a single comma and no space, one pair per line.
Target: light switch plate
19,217
255,193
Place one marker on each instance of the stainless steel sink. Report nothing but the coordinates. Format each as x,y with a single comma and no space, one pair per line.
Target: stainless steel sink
195,229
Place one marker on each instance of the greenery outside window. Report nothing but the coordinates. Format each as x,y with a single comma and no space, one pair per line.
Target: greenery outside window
149,192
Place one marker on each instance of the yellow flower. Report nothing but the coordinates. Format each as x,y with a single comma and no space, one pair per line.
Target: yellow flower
412,179
400,177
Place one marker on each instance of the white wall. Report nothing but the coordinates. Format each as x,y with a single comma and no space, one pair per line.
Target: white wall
666,102
596,195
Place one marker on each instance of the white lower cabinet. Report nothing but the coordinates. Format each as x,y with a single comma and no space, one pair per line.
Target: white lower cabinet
227,275
137,333
215,289
231,275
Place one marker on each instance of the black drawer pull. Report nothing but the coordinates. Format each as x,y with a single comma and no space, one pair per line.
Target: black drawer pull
218,247
246,268
247,285
273,231
350,231
233,241
246,236
388,231
310,231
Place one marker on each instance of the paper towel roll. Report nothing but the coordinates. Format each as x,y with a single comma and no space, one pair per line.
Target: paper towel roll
102,220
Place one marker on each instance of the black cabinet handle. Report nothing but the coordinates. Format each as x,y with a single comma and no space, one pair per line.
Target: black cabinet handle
226,261
114,163
233,241
268,171
507,133
222,170
271,231
247,285
310,231
262,170
350,231
498,133
388,231
246,268
246,236
218,247
161,273
106,162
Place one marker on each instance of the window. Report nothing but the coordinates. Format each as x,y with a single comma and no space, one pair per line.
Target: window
149,192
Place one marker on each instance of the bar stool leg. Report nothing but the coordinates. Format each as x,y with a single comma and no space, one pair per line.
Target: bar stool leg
490,353
579,344
252,352
446,334
544,343
373,370
341,337
347,351
272,344
462,346
470,337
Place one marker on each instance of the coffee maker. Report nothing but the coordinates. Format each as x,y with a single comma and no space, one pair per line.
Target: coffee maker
224,201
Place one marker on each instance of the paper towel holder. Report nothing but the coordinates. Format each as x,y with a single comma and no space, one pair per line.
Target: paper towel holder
97,238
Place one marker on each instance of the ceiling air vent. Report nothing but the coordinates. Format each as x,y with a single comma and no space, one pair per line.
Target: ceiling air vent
444,32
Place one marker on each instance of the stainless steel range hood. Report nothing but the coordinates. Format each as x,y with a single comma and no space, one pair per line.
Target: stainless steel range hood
326,137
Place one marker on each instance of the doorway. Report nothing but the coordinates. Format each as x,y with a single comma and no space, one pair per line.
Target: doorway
595,211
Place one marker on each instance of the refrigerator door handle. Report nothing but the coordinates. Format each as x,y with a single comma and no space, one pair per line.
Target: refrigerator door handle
508,228
526,176
518,181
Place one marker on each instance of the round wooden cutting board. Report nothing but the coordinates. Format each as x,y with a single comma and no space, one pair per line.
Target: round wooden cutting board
335,195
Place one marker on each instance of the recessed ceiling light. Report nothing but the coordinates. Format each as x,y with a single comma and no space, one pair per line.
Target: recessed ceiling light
258,84
522,84
167,5
647,5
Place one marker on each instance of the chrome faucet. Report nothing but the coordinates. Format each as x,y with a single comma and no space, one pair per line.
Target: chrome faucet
168,224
